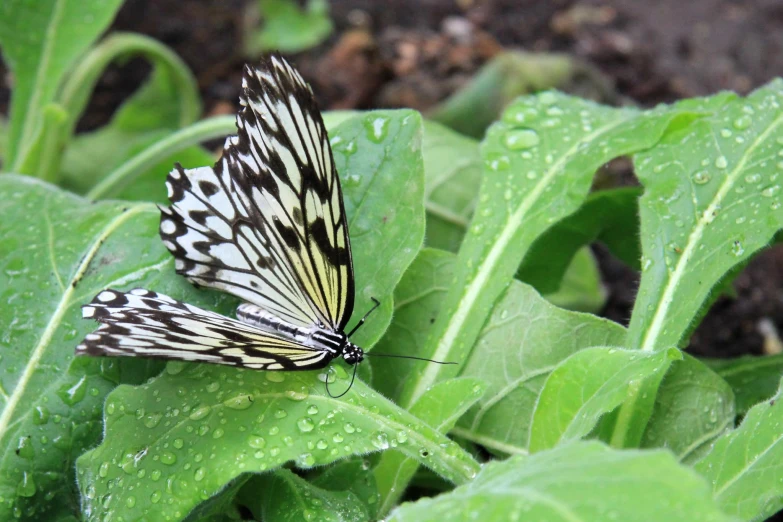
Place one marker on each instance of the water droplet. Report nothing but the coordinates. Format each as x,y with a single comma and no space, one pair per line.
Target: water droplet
305,424
274,430
71,394
322,444
508,194
743,122
26,487
175,367
24,448
213,387
168,458
349,428
770,191
40,415
753,178
217,433
274,452
721,162
520,139
274,376
199,475
240,402
312,410
152,420
103,470
155,496
130,501
701,177
306,460
377,128
380,440
256,442
297,395
200,413
281,414
497,162
737,249
338,438
178,443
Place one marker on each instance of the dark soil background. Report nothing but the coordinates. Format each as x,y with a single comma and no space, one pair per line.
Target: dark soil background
416,52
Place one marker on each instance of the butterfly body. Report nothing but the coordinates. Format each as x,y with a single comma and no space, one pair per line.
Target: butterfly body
267,224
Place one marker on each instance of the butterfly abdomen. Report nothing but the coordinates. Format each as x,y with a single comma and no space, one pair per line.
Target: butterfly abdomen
311,336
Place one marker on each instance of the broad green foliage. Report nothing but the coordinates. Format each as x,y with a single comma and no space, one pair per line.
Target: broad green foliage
694,406
539,162
583,481
40,41
746,465
589,384
442,405
283,496
711,200
523,341
753,379
287,27
57,253
199,426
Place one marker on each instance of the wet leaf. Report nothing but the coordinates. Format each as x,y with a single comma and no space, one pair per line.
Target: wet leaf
584,481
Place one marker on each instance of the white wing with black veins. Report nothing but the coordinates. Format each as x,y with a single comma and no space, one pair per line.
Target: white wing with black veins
267,223
147,324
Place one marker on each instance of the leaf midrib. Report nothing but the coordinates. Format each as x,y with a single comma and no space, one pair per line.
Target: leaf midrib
59,311
649,341
486,269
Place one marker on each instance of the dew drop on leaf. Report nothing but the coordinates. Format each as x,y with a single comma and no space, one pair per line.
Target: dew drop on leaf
256,442
274,376
700,177
240,402
200,413
349,428
521,139
41,415
168,458
26,486
721,162
305,424
281,414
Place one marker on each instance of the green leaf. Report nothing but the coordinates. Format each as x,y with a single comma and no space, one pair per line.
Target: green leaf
197,427
711,200
607,216
441,406
57,252
583,481
581,289
746,465
166,102
283,496
586,386
509,74
524,339
452,170
287,27
40,42
539,161
753,379
693,407
378,157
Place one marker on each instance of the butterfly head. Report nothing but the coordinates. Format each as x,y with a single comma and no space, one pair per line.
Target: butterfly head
352,353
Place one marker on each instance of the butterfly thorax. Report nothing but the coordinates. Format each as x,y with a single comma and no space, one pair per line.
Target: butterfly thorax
336,343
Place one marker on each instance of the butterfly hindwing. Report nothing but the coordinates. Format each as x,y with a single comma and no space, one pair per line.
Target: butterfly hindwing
267,222
147,324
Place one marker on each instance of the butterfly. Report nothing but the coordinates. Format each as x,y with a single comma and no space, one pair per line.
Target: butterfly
267,224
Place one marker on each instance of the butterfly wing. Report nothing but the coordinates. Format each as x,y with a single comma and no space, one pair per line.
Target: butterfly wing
267,222
148,324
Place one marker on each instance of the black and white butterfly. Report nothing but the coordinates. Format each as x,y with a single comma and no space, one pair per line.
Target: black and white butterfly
266,224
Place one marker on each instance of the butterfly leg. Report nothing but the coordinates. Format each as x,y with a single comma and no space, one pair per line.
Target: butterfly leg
361,321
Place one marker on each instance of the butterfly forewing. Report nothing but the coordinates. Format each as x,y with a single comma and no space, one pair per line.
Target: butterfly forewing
148,324
267,223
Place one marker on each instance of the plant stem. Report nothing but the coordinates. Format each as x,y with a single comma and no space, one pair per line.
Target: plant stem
124,174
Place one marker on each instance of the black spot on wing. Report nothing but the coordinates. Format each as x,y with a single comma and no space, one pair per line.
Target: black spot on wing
208,188
288,234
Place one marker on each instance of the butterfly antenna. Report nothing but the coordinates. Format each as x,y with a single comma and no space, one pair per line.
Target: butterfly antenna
361,321
355,366
407,357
